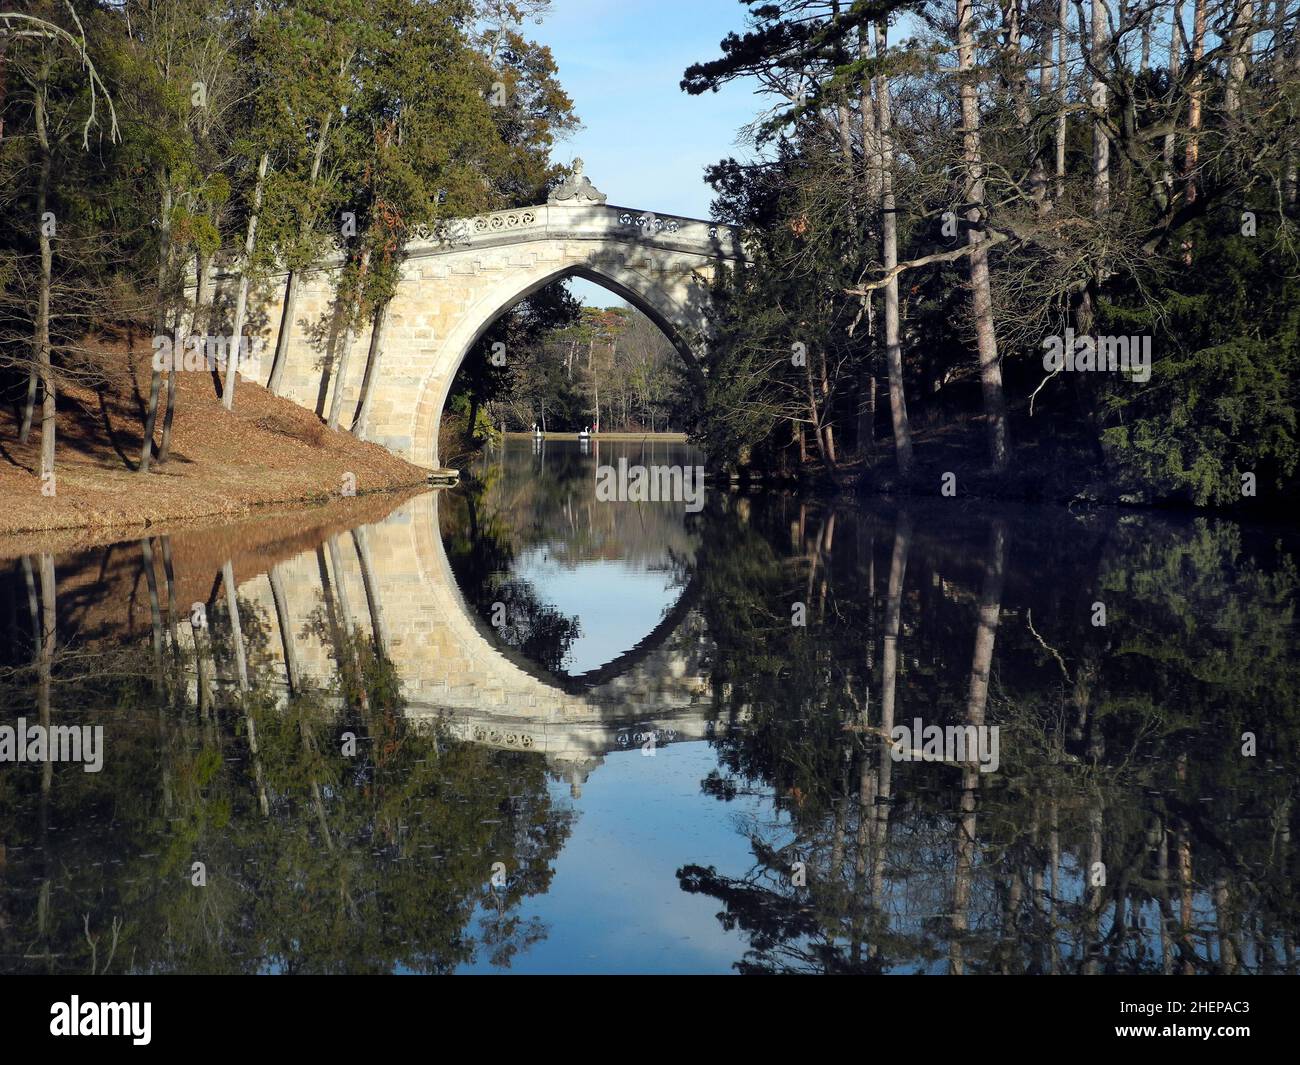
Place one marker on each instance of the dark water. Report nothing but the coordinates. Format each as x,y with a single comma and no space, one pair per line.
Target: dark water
511,726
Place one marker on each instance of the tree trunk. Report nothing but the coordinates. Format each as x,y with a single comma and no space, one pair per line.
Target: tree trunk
893,622
169,574
155,609
1062,20
285,333
361,542
43,358
889,238
202,292
995,414
236,630
1175,55
1099,99
341,374
1194,93
1286,57
867,407
828,447
287,645
29,404
1240,38
241,676
49,636
823,432
343,627
867,121
1018,77
990,608
361,424
181,339
241,301
164,262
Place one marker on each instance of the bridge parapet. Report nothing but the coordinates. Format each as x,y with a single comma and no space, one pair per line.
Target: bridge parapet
579,221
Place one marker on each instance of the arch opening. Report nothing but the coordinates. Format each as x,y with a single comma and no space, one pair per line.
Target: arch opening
543,359
648,296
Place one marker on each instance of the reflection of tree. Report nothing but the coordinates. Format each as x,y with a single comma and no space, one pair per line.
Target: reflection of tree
1123,832
549,499
481,552
535,629
784,932
1121,745
372,861
986,628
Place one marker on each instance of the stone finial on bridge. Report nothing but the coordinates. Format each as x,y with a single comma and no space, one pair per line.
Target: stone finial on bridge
576,189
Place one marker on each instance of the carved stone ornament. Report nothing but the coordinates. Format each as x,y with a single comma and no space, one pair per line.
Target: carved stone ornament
576,189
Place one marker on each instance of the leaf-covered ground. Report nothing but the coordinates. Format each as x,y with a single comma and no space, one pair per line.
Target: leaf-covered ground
222,463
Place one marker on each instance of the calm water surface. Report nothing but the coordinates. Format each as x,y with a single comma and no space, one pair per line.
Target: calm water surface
508,727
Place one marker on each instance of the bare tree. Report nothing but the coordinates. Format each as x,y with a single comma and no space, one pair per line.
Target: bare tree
889,254
241,300
990,366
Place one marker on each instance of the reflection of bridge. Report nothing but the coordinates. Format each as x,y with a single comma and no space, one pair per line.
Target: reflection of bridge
393,581
456,280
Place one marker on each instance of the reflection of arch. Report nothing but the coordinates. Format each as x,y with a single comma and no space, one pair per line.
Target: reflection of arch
651,642
597,683
596,693
595,679
680,321
452,667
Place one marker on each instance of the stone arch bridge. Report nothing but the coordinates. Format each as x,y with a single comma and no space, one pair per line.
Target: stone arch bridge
459,278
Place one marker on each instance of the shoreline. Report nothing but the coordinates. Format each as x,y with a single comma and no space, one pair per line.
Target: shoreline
297,516
115,527
667,438
268,456
224,465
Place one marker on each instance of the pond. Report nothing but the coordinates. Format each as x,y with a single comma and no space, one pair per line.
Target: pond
521,726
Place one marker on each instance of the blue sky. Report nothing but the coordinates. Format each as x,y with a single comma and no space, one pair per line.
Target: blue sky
644,142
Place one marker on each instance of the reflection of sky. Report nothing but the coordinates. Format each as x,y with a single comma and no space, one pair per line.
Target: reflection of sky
615,904
617,603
